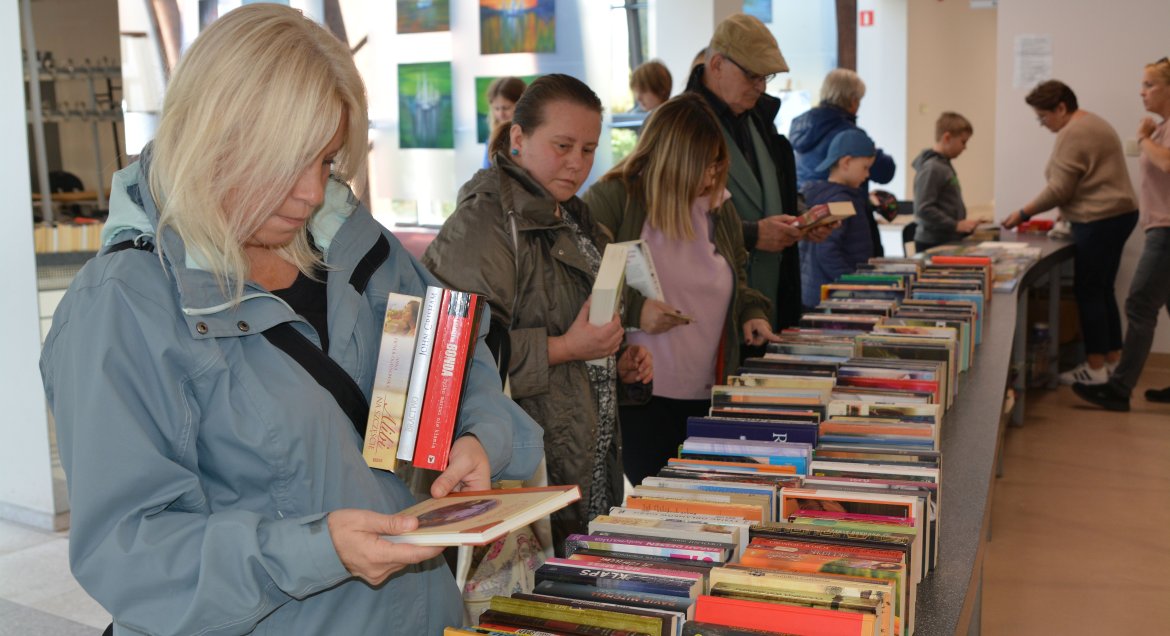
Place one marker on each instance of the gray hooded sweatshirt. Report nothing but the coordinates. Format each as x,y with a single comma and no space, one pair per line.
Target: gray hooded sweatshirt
938,199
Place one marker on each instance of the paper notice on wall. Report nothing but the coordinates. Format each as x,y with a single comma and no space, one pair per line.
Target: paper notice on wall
1033,60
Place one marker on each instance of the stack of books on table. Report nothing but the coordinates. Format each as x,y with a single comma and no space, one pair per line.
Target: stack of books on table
807,500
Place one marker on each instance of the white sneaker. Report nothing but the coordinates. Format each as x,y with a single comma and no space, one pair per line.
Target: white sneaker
1084,374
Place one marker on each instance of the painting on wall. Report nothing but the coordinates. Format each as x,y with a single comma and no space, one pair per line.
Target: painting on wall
423,16
482,108
517,26
425,117
761,9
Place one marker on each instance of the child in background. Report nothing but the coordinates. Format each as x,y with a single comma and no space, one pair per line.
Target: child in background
851,153
502,95
938,199
651,84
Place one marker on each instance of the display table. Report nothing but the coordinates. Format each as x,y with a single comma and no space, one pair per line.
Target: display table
949,599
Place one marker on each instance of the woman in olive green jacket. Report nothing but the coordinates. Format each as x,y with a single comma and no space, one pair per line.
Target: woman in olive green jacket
522,238
670,192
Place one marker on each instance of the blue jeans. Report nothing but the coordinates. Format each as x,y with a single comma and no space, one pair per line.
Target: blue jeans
1098,254
1149,292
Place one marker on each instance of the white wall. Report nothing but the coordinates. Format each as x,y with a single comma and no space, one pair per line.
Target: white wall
26,486
951,66
1099,49
882,63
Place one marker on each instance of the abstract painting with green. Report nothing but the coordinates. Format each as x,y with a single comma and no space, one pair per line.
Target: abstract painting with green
425,117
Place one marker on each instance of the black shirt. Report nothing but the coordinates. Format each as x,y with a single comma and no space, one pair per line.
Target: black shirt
307,297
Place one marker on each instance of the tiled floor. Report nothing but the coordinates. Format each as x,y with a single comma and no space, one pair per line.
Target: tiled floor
38,595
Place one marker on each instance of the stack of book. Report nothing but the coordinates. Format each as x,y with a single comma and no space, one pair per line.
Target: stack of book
807,499
423,360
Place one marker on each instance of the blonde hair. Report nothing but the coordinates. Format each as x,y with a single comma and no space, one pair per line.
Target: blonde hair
954,123
666,170
255,99
841,88
1162,68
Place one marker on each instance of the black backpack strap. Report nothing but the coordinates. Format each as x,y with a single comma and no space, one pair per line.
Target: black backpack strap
369,264
325,370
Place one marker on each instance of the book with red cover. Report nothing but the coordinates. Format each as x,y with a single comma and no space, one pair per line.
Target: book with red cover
450,362
768,616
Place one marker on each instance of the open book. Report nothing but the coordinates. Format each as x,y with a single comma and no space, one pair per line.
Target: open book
482,516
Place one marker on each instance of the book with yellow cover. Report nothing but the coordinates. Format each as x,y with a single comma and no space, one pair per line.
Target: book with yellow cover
480,517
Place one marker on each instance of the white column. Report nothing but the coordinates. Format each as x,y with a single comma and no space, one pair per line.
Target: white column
26,475
881,61
679,28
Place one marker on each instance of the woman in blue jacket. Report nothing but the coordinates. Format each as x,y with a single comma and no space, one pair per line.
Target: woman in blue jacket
209,371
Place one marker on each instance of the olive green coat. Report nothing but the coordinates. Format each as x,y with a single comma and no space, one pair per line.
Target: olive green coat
474,251
624,216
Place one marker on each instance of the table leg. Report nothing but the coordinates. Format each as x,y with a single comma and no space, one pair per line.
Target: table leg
1054,275
1020,358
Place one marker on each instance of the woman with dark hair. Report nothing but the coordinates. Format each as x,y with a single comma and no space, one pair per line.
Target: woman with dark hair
671,192
502,95
1088,181
522,238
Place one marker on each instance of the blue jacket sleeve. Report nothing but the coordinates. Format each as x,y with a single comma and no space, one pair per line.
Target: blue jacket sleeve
143,541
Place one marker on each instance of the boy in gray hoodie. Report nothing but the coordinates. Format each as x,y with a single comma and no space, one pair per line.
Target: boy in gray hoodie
938,199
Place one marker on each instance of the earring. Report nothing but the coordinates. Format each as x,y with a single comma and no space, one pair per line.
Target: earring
515,152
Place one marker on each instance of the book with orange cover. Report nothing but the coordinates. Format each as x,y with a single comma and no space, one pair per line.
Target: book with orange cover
762,615
699,464
743,511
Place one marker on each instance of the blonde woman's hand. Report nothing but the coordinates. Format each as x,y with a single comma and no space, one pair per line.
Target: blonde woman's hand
357,538
757,331
659,317
585,340
1146,128
468,468
636,365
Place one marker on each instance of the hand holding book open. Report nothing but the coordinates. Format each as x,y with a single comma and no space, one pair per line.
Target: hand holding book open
659,317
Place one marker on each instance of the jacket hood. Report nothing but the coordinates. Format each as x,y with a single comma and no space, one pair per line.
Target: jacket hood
810,129
133,211
535,208
825,190
134,215
928,155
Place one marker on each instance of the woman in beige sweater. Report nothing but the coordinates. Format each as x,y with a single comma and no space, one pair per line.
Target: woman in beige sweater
1088,181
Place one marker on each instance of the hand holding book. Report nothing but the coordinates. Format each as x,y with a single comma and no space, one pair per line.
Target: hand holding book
356,538
585,340
468,468
659,317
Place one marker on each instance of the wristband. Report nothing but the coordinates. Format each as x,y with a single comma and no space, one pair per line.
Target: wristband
1024,215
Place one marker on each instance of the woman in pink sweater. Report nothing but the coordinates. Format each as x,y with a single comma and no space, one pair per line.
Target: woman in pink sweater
1088,181
1150,290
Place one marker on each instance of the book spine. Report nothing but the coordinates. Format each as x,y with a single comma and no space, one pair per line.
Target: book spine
496,617
613,580
419,372
445,383
624,597
391,377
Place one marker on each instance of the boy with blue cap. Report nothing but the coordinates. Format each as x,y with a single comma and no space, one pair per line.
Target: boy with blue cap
850,155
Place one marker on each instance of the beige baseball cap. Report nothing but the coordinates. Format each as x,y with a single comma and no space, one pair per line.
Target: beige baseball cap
746,40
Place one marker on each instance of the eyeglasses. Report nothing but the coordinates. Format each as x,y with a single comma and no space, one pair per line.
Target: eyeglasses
751,77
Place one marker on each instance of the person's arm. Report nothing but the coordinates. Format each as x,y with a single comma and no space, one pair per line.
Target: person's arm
749,303
1158,155
928,188
144,541
883,168
1065,169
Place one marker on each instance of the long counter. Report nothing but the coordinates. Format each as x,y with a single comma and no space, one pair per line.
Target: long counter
949,599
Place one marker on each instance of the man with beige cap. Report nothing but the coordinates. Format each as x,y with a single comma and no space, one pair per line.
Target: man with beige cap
742,57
